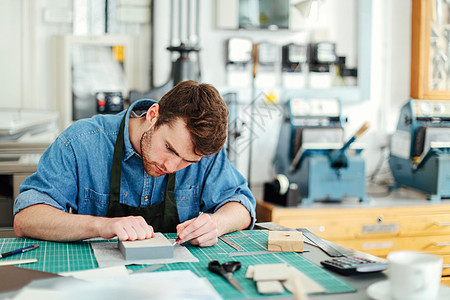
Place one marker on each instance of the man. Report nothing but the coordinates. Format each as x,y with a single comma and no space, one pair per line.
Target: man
152,168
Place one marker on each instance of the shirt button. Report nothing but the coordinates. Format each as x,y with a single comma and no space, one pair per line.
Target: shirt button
146,198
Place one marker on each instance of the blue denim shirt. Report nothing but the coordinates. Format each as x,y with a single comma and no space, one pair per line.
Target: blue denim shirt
74,175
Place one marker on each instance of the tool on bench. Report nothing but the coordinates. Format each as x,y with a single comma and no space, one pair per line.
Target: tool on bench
19,251
321,243
353,265
226,270
230,243
253,253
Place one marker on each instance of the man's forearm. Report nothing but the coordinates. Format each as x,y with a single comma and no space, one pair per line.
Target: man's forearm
231,217
42,221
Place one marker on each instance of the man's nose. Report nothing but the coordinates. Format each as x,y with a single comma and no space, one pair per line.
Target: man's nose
172,164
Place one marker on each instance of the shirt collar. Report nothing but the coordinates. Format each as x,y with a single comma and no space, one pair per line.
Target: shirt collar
137,106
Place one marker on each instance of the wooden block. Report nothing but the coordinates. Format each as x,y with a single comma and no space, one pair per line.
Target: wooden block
268,272
157,247
269,287
286,241
249,273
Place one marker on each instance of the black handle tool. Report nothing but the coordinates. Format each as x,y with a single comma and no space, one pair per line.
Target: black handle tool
226,270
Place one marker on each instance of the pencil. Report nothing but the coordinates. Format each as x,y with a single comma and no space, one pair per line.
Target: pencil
18,251
174,243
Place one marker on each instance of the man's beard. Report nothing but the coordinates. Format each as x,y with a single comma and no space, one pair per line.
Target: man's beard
149,165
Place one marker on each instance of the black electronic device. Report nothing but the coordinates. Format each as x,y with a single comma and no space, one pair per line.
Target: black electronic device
353,265
293,55
109,102
323,53
280,192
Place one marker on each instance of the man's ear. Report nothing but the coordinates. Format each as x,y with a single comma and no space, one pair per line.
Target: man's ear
152,114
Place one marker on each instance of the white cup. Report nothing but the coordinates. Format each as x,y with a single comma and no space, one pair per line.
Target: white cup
414,275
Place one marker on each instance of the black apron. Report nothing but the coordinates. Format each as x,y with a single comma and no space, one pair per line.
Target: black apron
162,216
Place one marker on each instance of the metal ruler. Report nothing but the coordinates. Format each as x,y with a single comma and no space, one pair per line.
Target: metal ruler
226,240
255,253
321,243
252,253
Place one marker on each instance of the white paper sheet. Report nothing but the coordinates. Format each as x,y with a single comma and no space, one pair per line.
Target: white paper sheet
108,255
167,285
98,274
33,293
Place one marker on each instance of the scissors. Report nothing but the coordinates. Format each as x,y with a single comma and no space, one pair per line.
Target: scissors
226,270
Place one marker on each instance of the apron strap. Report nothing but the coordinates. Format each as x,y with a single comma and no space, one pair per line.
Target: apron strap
117,164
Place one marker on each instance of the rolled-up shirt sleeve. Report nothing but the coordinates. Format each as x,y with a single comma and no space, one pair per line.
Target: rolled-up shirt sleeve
54,183
31,197
224,184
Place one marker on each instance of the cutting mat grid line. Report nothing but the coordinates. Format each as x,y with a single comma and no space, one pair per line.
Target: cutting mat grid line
62,257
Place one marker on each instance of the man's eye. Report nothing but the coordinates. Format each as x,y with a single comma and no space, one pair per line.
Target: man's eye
168,148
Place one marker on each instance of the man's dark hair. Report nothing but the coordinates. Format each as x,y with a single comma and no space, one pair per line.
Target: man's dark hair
203,110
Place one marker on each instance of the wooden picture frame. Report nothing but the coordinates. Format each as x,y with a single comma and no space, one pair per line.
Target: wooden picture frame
430,67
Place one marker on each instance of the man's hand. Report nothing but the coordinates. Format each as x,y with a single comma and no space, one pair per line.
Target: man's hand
125,228
201,231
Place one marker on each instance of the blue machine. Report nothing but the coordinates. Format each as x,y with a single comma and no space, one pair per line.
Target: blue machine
420,148
312,155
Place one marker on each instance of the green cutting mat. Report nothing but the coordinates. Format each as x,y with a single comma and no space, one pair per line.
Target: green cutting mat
61,257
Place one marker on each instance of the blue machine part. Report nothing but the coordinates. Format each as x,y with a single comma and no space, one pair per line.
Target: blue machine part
420,148
310,152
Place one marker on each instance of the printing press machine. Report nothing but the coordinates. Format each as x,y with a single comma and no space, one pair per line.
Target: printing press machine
311,162
420,148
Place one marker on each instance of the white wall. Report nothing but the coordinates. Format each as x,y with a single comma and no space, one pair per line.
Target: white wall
27,56
391,54
10,58
25,52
